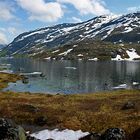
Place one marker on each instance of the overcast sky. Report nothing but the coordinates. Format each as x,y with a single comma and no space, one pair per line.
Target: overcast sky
17,16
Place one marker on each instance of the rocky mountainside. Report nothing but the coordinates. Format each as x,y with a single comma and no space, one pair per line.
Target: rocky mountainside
121,29
92,50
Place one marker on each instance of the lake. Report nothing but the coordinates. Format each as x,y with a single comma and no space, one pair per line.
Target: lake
74,76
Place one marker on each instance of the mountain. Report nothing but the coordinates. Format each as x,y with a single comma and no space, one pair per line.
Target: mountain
117,30
2,46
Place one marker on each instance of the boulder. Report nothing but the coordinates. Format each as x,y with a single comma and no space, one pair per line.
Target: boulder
135,135
10,131
92,136
128,105
28,108
41,120
31,138
113,134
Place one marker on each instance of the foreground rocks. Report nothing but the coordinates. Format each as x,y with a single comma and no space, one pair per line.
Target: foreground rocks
41,120
128,105
31,138
10,131
114,134
110,134
92,136
136,135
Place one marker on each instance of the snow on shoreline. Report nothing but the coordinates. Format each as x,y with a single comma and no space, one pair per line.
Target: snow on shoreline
59,135
131,53
132,56
7,71
122,86
93,59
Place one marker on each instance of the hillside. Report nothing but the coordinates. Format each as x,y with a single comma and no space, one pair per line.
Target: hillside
92,50
123,29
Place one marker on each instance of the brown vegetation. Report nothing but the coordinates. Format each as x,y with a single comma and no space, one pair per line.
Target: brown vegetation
89,112
6,78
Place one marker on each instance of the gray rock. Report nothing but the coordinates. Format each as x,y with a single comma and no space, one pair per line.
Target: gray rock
113,134
10,131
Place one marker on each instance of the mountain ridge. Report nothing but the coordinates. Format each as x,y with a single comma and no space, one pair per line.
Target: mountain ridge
121,29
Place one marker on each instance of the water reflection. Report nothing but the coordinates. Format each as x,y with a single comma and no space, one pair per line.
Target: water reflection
87,77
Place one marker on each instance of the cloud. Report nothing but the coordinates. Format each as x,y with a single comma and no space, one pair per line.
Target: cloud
7,34
3,39
95,7
42,11
14,31
2,29
75,19
6,11
133,9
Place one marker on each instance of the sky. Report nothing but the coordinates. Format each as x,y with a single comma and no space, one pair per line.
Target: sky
18,16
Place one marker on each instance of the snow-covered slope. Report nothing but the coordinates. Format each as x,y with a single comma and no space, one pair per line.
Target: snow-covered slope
124,28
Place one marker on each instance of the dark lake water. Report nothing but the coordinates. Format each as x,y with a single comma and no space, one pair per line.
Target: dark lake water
74,76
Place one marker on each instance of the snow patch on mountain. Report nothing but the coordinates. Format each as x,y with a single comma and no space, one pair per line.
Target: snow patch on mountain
55,51
66,52
68,29
128,29
31,34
